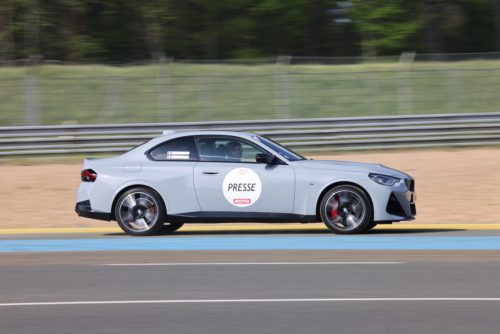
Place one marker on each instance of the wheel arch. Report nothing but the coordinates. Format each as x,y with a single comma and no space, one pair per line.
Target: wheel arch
119,193
336,184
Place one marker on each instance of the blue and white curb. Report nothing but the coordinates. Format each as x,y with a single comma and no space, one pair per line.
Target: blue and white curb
253,243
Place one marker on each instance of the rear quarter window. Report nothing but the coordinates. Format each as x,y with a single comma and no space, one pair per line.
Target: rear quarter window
176,149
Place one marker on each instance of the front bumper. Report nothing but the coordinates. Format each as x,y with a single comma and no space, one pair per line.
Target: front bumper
83,209
402,202
395,203
400,205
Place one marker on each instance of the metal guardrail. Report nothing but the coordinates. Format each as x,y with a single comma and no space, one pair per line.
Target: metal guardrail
314,134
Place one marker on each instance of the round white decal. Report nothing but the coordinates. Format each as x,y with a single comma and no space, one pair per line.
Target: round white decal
242,187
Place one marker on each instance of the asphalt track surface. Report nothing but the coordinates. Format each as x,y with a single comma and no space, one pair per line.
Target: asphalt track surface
358,289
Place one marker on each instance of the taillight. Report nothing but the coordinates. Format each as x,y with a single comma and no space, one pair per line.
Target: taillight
88,175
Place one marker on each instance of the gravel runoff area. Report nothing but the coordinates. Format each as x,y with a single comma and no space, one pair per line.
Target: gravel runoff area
453,186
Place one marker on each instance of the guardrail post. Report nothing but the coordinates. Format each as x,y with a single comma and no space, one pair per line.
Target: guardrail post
32,94
164,89
281,87
405,103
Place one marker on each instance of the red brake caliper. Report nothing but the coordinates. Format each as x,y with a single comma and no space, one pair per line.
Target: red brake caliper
335,212
153,209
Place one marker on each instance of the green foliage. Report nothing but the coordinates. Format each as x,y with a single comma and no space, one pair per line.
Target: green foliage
385,23
480,26
127,30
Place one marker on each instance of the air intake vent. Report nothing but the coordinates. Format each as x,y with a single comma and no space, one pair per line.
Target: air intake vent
413,209
394,208
410,184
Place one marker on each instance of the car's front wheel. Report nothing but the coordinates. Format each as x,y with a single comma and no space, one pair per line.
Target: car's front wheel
170,228
140,211
370,225
346,210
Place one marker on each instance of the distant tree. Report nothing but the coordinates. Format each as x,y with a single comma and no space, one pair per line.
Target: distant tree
496,13
298,27
76,42
125,30
441,19
7,27
155,16
385,25
478,34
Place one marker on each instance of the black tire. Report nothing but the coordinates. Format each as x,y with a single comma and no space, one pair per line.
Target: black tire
346,210
170,228
370,225
140,211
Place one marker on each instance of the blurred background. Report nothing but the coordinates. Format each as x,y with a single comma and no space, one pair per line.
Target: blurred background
129,30
97,62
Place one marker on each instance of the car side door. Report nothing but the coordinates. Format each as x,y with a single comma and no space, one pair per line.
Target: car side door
226,182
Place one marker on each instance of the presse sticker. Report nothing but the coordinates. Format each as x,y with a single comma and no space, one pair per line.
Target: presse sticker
242,187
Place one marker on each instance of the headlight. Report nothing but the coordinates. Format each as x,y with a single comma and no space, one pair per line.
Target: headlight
384,179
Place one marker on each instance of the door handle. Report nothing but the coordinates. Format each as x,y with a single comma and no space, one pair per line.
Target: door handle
210,172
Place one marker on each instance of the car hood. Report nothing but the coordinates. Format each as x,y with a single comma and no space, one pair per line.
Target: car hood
353,167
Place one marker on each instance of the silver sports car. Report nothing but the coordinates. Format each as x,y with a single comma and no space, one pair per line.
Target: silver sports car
223,176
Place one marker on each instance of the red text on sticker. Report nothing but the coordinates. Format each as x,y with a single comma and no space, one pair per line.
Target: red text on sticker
242,201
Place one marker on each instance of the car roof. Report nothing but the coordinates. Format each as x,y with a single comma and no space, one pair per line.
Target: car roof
182,133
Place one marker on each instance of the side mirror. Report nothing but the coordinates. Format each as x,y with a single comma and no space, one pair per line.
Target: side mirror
265,158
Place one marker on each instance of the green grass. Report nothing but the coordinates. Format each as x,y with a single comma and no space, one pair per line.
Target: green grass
94,94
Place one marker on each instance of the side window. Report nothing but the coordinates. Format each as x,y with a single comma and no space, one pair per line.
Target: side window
226,149
177,149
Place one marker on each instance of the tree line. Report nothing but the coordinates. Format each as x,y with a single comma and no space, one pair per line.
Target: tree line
128,30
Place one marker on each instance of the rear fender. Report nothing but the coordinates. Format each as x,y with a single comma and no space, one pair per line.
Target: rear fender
137,183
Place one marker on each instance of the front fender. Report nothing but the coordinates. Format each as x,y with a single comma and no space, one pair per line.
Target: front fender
341,180
309,190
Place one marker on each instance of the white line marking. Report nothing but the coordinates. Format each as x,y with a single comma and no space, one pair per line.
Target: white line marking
178,301
238,264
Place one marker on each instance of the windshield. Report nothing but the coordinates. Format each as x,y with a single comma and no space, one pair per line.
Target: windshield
284,152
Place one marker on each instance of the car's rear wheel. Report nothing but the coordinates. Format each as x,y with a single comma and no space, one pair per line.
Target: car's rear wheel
170,228
140,211
346,210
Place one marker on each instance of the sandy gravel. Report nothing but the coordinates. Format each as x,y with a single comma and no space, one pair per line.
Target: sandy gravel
453,186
